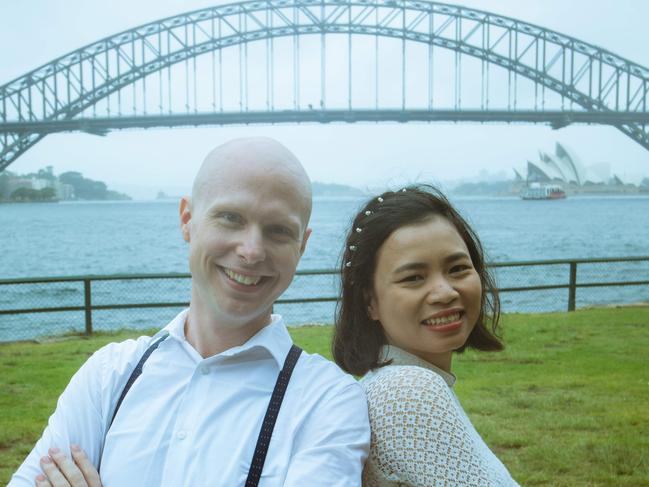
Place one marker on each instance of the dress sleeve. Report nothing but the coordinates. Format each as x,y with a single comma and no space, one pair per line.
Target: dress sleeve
420,435
333,444
78,419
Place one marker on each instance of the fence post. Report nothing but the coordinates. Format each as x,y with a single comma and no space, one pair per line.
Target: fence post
88,305
572,289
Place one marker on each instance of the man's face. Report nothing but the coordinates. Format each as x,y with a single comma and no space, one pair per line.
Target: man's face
246,233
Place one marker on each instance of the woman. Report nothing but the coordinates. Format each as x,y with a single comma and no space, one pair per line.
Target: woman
415,289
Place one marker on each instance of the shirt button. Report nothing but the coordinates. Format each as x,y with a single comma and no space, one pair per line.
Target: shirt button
181,435
205,370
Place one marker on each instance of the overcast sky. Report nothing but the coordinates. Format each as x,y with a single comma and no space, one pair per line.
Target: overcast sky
33,32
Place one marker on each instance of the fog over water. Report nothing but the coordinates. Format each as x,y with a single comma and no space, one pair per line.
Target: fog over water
143,237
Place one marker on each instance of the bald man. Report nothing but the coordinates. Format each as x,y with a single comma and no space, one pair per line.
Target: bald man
201,412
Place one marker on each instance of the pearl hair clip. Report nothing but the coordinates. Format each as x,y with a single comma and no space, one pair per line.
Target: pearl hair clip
352,248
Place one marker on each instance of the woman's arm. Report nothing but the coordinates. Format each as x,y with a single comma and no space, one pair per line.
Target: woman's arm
420,434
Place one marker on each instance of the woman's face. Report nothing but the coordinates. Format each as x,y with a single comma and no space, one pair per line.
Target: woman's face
426,293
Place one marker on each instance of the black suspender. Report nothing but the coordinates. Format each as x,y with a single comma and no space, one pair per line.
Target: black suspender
268,425
266,432
137,371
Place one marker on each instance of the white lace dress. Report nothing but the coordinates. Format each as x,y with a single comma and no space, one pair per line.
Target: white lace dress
421,436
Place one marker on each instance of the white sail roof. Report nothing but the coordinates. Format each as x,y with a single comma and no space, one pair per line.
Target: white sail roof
565,167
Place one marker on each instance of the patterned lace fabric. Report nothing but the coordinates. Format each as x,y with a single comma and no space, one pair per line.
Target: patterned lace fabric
421,436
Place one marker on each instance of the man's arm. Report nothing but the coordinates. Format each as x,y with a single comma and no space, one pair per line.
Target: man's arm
61,471
76,420
333,444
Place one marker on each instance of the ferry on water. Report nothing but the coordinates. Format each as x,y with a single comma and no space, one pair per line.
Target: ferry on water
536,191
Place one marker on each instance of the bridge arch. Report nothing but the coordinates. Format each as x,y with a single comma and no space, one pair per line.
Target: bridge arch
594,79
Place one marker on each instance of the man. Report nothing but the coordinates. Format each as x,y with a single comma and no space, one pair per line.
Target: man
193,416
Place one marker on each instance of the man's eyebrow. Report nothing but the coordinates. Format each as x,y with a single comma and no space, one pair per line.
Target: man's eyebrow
281,218
293,226
220,207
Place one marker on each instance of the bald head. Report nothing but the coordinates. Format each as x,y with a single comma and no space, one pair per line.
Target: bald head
246,224
261,159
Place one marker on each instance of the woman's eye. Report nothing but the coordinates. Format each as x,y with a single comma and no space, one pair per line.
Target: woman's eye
412,278
460,268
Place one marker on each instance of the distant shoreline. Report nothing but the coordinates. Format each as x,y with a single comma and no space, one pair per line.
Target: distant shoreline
342,197
16,202
580,194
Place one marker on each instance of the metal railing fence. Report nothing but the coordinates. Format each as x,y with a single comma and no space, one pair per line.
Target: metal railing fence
31,307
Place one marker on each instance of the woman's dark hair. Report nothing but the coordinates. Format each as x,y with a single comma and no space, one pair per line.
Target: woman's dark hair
357,339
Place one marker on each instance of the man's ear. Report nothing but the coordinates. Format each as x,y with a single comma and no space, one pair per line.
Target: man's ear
185,217
307,234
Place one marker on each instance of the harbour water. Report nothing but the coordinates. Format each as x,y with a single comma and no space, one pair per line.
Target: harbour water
78,238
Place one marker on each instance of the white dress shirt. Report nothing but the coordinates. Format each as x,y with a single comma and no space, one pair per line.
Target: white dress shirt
190,421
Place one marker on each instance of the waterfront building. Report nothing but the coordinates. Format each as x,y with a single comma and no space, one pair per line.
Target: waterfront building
564,168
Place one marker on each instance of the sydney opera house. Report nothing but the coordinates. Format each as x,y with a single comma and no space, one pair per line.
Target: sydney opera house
565,169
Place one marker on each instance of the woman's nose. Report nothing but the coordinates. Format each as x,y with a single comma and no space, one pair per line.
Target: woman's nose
441,290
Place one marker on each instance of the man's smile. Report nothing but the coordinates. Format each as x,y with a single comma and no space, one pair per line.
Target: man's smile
242,279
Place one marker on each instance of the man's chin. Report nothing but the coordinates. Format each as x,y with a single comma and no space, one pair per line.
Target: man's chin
237,316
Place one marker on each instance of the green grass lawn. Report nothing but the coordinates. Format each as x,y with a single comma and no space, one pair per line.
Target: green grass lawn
566,404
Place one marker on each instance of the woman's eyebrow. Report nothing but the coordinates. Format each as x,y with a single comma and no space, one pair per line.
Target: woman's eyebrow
456,256
414,266
410,266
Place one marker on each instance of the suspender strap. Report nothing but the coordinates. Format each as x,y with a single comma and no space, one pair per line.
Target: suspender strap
263,441
137,371
270,418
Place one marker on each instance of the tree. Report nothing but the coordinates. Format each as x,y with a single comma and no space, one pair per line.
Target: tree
70,177
29,194
47,174
47,194
25,194
5,177
84,189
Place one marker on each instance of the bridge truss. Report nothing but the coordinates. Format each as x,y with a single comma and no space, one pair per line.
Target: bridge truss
273,61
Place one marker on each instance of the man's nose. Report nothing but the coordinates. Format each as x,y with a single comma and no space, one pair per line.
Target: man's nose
441,291
251,247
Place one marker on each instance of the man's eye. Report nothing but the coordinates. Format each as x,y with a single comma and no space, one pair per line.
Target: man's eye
281,231
230,217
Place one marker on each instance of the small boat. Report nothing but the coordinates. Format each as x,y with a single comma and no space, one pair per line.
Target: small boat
536,191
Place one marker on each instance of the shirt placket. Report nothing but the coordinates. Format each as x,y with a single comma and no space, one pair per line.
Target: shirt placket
183,436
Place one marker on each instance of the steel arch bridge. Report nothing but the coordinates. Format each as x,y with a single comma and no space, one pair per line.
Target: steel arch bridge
195,68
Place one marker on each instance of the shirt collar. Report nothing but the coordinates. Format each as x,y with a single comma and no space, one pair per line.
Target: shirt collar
272,339
401,357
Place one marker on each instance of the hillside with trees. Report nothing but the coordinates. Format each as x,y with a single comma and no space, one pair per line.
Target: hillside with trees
45,186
